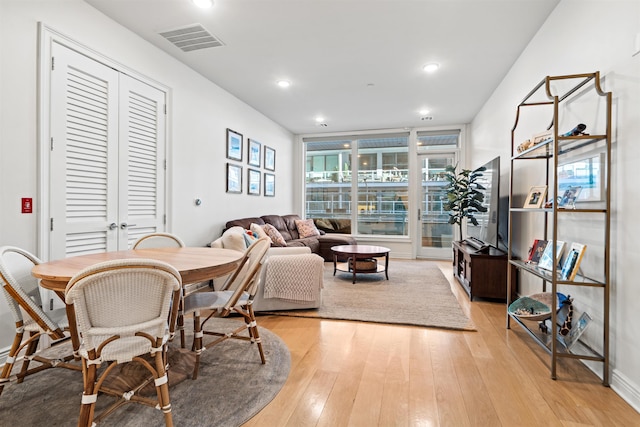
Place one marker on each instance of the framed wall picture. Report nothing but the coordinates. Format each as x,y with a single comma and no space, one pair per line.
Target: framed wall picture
254,182
254,153
536,196
269,158
269,185
234,145
234,178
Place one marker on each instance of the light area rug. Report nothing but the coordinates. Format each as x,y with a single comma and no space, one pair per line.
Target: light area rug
232,387
417,293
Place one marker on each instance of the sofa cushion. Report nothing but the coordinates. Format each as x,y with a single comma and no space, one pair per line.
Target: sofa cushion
258,230
233,238
306,228
274,234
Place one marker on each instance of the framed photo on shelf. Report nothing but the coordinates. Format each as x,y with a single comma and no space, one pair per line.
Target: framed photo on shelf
234,178
269,185
536,197
546,260
269,158
254,153
234,145
254,182
568,199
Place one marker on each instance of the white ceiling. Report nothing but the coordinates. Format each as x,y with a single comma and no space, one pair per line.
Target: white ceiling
357,63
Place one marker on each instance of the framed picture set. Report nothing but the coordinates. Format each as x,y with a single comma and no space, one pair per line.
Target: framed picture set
254,182
254,153
234,178
234,145
269,158
269,185
536,196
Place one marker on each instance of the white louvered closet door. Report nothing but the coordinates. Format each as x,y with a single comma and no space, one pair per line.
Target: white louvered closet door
107,150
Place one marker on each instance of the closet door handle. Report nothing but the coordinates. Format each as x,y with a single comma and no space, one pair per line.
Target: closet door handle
113,226
125,225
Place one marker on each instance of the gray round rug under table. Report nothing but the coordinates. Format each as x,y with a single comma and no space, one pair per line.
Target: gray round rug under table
232,387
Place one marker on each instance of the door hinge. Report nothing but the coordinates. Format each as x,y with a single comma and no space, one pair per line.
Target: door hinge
51,224
53,63
165,164
51,143
164,219
165,109
50,304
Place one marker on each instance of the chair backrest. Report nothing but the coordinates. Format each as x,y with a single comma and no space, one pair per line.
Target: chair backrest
158,240
122,297
21,288
244,278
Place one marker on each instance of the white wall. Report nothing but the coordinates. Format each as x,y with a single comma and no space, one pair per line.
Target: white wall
200,112
581,37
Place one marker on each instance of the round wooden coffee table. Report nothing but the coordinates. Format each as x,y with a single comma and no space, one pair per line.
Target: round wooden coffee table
357,256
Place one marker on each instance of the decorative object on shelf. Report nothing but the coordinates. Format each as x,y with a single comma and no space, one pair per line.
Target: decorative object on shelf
536,307
234,178
536,196
269,185
568,199
578,130
234,145
572,261
542,136
546,260
253,156
269,158
464,198
576,331
536,251
254,177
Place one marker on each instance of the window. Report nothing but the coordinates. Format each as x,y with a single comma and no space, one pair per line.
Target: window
378,196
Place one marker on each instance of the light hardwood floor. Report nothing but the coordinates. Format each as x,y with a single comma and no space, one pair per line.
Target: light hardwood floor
363,374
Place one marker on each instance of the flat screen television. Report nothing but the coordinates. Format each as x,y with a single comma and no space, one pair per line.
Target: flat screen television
492,228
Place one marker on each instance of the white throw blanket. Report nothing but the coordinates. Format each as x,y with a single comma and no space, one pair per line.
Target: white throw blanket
294,277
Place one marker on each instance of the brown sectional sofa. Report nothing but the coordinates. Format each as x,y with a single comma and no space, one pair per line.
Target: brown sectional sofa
286,225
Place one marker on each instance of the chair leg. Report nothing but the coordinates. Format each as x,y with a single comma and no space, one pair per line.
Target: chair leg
197,342
162,389
88,403
31,348
254,332
13,352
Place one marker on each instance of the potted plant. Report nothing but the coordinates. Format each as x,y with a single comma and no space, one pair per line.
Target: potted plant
464,195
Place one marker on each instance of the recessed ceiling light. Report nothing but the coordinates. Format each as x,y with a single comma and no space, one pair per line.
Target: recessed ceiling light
319,119
204,4
424,112
284,83
431,67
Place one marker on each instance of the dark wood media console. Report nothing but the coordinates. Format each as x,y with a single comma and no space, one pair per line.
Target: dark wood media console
482,273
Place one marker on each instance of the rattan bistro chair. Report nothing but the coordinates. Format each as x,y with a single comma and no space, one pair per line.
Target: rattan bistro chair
158,240
22,293
235,296
122,308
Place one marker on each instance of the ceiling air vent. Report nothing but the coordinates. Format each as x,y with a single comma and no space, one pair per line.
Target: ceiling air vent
191,37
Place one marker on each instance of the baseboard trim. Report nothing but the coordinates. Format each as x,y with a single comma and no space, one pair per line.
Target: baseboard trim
626,389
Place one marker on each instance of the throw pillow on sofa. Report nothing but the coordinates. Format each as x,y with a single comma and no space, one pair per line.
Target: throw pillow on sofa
306,228
233,238
275,235
258,230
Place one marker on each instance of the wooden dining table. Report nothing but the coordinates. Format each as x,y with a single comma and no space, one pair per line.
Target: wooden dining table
195,264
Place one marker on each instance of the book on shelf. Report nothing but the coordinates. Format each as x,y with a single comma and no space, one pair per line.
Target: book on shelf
536,251
577,327
546,260
572,261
